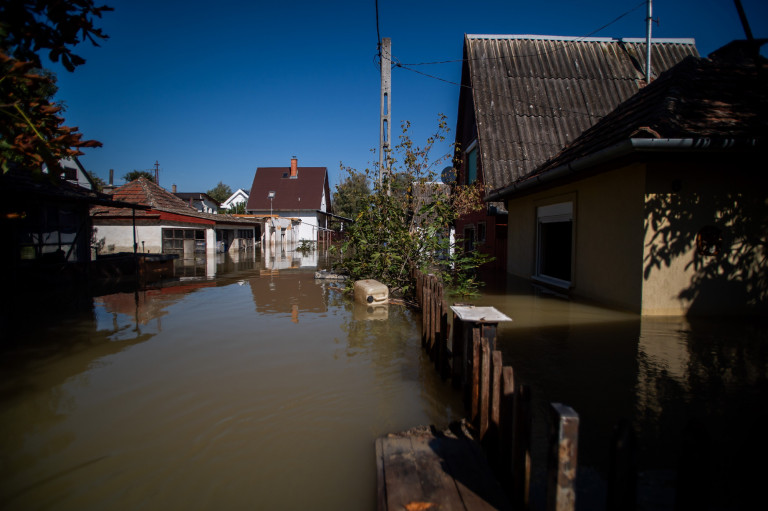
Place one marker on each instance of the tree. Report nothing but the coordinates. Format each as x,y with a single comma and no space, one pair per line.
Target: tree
136,174
406,222
352,194
32,132
220,192
97,181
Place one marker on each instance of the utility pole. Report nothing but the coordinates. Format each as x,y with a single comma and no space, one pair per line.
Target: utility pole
384,118
649,23
157,173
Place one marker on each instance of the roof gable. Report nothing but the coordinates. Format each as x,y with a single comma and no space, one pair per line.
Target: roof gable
306,191
532,95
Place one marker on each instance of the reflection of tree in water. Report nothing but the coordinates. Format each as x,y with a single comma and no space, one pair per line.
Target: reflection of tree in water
715,408
727,233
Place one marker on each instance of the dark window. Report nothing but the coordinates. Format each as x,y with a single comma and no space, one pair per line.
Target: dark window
554,252
472,165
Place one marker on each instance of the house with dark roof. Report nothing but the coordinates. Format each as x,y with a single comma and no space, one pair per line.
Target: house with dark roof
295,200
524,97
659,208
169,225
202,202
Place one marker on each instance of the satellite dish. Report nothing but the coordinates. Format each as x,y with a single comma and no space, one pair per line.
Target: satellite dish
448,175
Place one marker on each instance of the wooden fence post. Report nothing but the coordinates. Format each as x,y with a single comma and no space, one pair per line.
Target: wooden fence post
562,464
506,422
622,471
458,336
485,389
474,389
521,448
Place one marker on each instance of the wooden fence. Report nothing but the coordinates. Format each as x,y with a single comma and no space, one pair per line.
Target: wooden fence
496,405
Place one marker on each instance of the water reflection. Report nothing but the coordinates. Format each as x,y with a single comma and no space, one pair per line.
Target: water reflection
246,390
667,376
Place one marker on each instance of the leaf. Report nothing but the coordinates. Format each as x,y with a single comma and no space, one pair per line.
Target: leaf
418,506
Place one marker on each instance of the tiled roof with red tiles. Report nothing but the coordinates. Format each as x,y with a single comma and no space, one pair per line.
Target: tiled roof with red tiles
146,192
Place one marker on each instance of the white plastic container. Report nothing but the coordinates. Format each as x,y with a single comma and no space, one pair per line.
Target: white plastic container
371,292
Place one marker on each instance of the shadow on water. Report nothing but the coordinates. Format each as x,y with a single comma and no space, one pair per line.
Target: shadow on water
693,389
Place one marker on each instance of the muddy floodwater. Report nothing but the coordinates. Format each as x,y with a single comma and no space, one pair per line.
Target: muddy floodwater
240,387
694,390
239,391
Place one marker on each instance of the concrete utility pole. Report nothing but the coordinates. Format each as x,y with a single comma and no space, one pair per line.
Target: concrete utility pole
384,121
157,173
649,23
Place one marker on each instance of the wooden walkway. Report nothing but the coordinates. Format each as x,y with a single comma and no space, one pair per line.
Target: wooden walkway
423,469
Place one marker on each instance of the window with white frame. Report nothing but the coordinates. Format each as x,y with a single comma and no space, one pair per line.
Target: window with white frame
554,243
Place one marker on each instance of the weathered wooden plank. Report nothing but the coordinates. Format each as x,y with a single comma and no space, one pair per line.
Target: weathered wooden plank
506,430
446,470
474,396
457,352
562,465
485,389
521,448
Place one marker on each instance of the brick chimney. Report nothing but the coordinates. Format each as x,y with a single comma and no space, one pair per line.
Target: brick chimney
173,188
294,167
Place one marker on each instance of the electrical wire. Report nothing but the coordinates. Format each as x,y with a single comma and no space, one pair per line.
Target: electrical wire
531,55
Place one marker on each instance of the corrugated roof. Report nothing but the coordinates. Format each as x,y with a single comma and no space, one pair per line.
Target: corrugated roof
304,192
535,94
714,98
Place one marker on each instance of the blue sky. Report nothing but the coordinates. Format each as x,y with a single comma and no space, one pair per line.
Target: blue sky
213,90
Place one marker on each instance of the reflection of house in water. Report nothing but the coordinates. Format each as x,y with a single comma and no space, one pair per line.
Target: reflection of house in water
144,306
280,293
284,259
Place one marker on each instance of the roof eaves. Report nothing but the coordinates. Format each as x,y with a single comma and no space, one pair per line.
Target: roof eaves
618,150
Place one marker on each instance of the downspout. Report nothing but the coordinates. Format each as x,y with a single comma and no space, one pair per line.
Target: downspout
135,245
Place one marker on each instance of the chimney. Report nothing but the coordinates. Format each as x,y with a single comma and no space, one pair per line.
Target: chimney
173,188
111,176
294,167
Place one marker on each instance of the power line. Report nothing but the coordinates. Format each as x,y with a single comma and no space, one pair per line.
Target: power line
560,48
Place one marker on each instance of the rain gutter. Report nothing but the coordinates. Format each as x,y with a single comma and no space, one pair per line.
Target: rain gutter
619,150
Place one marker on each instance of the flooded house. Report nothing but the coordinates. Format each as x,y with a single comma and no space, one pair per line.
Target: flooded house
295,200
524,97
202,202
169,225
660,207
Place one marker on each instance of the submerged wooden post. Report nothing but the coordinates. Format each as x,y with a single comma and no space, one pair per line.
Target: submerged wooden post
477,323
562,465
485,389
622,471
521,448
507,422
458,341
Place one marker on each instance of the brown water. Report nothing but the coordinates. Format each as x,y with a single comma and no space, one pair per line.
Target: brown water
699,383
243,391
234,389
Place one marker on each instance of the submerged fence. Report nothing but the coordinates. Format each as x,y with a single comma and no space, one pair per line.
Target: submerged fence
499,408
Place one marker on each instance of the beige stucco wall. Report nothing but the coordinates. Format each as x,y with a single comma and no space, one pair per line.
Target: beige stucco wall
682,199
635,237
608,237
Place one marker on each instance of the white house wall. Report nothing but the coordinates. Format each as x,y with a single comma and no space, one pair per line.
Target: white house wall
119,238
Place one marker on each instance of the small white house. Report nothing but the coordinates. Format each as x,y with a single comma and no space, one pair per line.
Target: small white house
239,197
